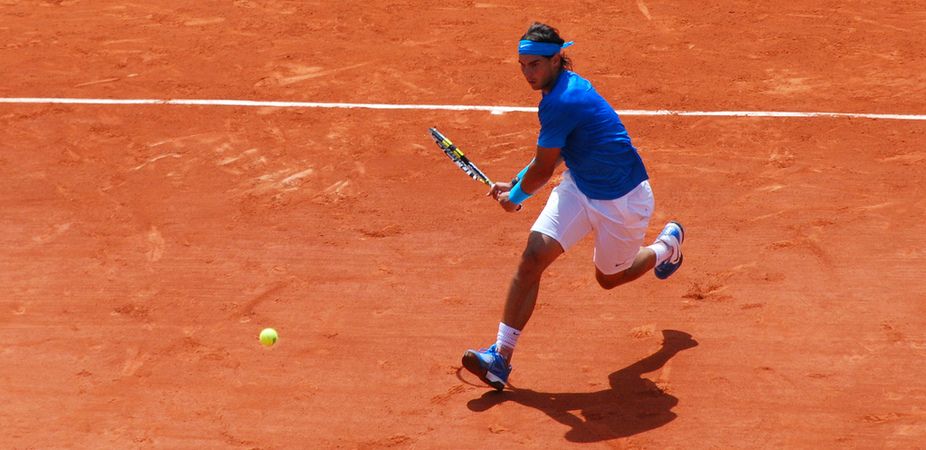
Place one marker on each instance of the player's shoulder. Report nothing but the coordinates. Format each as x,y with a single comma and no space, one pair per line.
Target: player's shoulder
570,95
576,81
575,89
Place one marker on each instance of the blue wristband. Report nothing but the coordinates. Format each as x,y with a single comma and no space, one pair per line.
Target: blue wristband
516,195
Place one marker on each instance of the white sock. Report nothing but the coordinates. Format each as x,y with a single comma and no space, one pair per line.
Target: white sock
507,337
662,250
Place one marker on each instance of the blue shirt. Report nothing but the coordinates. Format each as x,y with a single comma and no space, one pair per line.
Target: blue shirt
594,143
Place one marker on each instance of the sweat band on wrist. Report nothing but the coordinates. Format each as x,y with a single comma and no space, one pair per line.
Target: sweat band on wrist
516,195
520,175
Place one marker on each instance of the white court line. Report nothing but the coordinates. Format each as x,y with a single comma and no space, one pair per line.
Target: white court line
491,109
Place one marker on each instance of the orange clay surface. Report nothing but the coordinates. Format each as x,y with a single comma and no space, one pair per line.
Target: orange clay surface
143,248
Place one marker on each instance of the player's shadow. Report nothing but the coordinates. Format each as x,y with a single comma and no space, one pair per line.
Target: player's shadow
632,405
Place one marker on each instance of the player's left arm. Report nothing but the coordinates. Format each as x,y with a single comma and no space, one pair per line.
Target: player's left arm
541,169
557,122
538,174
499,187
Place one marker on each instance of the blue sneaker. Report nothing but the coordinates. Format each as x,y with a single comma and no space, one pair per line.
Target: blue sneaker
673,235
488,365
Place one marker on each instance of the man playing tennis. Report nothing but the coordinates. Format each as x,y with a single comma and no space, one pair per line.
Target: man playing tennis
605,190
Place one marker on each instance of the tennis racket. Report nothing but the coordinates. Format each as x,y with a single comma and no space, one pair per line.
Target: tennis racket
456,155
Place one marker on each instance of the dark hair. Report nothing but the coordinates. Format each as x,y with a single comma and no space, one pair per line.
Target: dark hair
541,32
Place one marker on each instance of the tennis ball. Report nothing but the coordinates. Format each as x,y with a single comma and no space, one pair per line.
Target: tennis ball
268,336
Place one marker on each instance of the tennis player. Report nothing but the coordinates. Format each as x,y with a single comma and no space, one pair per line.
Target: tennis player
604,190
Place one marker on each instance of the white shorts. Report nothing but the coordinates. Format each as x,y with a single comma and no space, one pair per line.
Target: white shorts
619,224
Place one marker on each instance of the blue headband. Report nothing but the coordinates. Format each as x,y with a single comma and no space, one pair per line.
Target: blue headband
526,47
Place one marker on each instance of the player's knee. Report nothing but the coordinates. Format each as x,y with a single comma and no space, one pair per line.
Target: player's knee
533,261
609,281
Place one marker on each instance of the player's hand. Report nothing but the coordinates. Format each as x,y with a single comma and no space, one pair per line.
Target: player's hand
507,205
498,188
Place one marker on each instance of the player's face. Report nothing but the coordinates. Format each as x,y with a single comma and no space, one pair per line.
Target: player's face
539,71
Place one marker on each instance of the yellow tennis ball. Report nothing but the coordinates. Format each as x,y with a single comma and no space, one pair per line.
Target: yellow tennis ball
268,336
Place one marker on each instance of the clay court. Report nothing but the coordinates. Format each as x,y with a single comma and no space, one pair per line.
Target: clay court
144,247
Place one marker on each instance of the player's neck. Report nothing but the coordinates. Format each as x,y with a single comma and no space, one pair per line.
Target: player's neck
549,87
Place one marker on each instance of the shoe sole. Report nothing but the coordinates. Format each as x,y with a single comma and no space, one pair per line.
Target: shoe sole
471,363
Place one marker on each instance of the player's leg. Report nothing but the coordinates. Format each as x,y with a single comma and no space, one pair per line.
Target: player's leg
493,365
644,261
562,223
664,256
541,251
620,226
